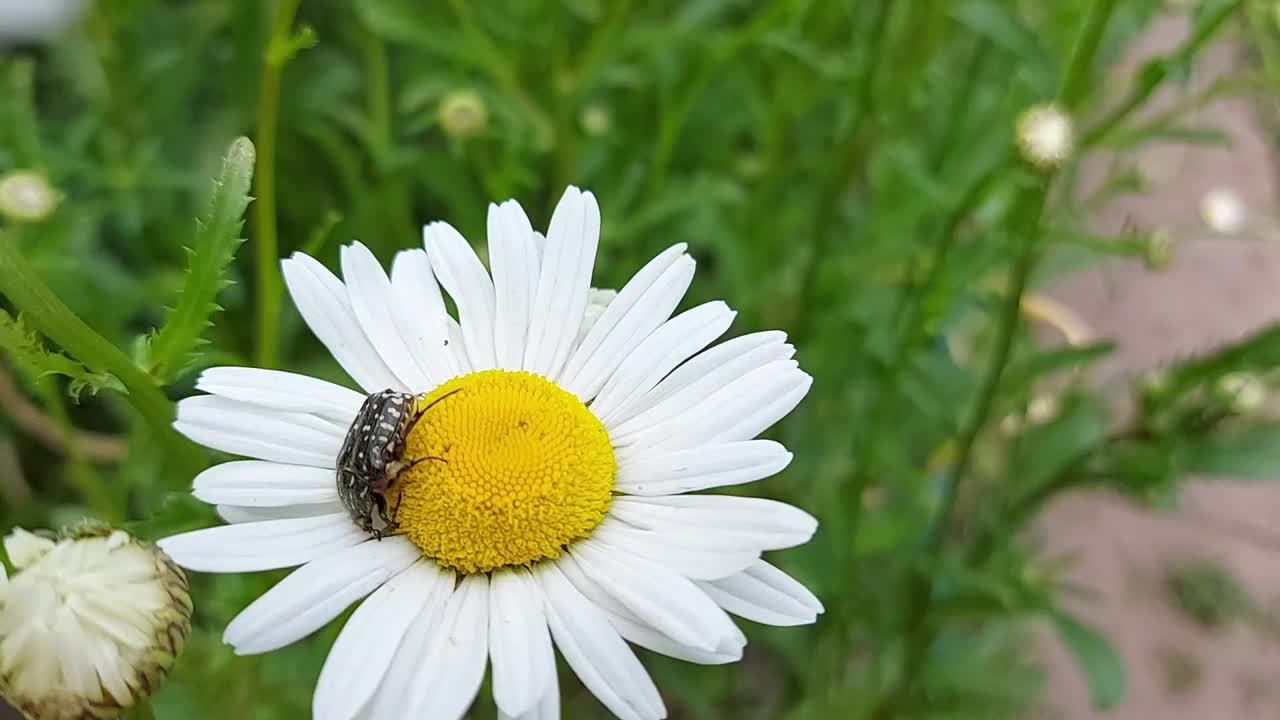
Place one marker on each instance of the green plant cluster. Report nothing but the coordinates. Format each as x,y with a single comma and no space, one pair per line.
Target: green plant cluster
847,171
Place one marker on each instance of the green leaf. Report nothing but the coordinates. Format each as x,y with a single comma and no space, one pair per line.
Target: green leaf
169,351
25,347
1251,452
1102,667
1046,362
1046,450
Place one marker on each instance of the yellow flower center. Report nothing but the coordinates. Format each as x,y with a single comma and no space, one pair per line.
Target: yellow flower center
524,469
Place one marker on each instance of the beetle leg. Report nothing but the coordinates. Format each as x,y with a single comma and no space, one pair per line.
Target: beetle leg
418,415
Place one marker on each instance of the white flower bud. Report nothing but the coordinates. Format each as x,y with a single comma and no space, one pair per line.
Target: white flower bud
463,114
1223,211
91,622
596,120
1045,136
27,20
1245,392
27,196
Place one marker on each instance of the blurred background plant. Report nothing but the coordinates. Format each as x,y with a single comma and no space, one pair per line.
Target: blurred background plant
884,180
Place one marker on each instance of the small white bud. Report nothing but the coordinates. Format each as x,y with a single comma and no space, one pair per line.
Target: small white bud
1045,136
91,622
596,120
1223,211
1244,391
27,196
28,20
463,114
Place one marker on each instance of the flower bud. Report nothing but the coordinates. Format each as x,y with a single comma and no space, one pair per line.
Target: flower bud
1244,392
27,196
1158,249
1045,136
463,114
1223,211
91,622
596,120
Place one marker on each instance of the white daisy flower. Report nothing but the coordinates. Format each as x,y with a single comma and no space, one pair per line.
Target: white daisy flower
544,502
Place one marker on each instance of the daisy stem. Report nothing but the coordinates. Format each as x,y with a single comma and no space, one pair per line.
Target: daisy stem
1154,72
51,317
849,157
280,47
1027,214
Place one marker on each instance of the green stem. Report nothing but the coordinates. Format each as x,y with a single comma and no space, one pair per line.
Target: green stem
1077,79
673,118
267,246
848,159
48,314
1156,71
87,481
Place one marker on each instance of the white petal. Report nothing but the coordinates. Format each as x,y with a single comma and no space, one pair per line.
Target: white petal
651,639
519,642
316,593
548,707
719,520
242,429
25,547
452,666
363,652
515,278
245,513
422,318
258,483
700,468
696,557
396,691
375,307
281,390
560,299
632,628
642,305
463,275
662,599
765,594
701,376
322,301
262,545
671,344
601,659
739,410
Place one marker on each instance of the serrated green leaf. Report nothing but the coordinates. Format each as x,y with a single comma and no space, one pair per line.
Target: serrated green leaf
1251,453
170,349
25,347
1103,670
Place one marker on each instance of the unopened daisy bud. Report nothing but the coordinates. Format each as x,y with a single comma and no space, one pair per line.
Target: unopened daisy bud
90,623
463,114
1245,392
596,120
27,196
1042,409
1045,136
1157,251
1223,211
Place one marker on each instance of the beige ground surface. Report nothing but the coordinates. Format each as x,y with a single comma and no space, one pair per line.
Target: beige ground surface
1216,290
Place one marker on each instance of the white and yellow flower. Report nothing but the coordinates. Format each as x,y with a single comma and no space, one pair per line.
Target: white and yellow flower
560,515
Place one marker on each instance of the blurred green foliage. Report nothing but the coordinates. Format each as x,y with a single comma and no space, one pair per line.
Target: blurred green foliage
846,171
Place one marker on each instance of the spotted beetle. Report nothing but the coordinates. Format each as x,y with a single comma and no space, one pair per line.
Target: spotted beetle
370,459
